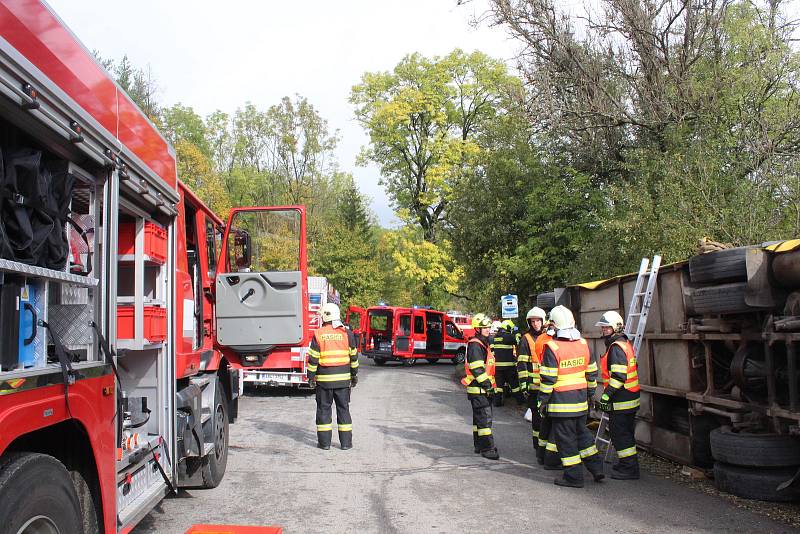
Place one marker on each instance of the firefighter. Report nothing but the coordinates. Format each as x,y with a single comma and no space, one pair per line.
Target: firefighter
528,366
620,394
480,383
568,380
333,369
503,347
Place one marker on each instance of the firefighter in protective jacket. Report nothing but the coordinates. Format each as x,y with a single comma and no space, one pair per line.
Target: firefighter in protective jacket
480,383
503,345
528,366
333,368
568,381
620,394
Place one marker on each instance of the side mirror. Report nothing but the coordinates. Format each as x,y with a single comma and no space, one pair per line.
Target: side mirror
242,248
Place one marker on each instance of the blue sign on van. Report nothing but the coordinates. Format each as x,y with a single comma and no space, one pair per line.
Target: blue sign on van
510,307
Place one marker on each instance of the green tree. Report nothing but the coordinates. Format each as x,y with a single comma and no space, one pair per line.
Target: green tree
422,119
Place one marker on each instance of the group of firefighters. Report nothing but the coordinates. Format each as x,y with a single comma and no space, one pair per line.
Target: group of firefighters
552,366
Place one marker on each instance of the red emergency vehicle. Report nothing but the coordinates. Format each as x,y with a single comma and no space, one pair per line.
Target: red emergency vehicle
118,374
390,333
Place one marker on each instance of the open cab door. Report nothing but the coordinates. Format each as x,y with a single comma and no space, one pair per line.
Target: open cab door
356,319
262,282
403,347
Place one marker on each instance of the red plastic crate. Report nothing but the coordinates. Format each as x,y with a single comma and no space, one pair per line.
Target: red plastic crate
155,240
155,323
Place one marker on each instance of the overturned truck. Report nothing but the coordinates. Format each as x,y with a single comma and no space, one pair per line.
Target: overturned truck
718,365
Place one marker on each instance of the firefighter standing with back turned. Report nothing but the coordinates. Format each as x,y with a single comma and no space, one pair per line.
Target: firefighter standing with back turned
503,347
568,381
528,366
480,384
333,368
620,394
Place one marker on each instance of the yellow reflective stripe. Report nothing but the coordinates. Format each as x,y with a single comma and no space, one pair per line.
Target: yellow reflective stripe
337,352
523,358
619,368
633,374
542,442
624,453
354,365
522,374
353,352
535,433
476,364
571,460
626,405
548,371
484,431
588,451
514,390
326,361
325,428
475,390
333,377
630,385
545,388
474,428
493,346
550,446
481,377
592,384
505,364
312,368
591,368
571,379
614,383
345,428
314,353
567,407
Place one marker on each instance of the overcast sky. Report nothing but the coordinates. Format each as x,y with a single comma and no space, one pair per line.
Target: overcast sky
213,55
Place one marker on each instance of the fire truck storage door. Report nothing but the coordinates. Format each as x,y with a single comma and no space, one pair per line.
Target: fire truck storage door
259,297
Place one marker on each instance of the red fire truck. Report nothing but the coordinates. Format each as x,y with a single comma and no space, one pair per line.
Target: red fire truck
120,341
390,333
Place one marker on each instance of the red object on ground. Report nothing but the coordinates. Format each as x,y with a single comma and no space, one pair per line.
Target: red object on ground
155,240
232,529
155,323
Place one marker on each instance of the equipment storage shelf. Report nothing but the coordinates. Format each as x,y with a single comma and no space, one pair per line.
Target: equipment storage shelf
141,294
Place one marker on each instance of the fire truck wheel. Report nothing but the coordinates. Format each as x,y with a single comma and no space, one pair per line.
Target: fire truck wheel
215,463
459,358
409,362
37,495
432,360
379,361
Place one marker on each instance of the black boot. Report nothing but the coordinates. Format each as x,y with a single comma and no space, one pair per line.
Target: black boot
568,483
490,454
619,475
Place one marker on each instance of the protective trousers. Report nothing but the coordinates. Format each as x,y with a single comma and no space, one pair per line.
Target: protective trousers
507,375
623,426
536,419
325,398
547,452
576,447
482,437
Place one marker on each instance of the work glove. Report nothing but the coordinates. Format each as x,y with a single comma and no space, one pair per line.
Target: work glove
487,385
353,381
542,408
605,403
312,382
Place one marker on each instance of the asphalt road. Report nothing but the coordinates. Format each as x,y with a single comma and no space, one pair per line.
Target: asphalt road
413,470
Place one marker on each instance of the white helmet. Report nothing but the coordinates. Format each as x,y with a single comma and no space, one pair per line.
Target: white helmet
330,313
562,318
496,325
536,313
612,319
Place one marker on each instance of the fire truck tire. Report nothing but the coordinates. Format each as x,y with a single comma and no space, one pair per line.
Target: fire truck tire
459,357
727,265
408,362
756,483
432,360
89,513
379,361
215,463
36,493
725,298
754,450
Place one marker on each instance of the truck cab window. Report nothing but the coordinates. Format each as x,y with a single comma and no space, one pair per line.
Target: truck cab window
211,248
419,325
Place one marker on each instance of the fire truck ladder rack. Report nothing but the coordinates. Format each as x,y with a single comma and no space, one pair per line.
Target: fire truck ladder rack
635,325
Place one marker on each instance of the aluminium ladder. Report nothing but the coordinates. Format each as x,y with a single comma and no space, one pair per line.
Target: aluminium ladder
635,324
